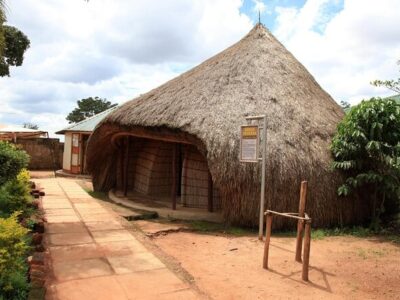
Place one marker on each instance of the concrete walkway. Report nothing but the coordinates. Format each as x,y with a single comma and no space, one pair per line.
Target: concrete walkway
94,257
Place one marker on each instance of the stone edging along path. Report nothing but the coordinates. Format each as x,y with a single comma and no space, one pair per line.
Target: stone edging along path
92,256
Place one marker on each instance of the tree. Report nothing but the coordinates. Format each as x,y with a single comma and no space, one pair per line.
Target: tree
12,161
393,85
87,108
345,105
30,126
2,20
13,44
366,148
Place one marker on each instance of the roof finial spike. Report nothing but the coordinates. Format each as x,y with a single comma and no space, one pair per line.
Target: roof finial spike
259,17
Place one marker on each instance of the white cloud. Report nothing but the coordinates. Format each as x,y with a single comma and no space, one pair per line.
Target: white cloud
259,6
106,48
357,45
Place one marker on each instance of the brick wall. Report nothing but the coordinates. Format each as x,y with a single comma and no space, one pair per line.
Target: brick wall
45,153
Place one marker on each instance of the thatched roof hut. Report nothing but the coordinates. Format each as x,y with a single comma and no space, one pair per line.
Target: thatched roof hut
205,107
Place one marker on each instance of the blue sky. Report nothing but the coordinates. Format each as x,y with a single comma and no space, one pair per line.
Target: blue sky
268,11
120,49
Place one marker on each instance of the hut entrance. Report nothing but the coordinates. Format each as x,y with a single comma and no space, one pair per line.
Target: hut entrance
168,174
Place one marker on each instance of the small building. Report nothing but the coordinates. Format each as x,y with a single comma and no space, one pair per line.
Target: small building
14,132
75,141
179,143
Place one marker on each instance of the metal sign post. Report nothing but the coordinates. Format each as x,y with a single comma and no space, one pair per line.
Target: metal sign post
249,152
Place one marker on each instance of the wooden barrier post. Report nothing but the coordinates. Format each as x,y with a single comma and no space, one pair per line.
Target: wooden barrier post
126,165
307,245
174,174
300,223
210,196
267,239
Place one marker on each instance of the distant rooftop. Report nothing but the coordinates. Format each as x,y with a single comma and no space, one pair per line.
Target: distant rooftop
8,132
88,124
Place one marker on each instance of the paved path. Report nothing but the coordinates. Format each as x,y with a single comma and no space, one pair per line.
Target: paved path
94,257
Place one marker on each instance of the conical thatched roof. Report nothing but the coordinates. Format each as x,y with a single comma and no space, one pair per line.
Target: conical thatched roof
206,106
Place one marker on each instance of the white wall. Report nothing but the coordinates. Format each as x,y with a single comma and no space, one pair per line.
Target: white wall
67,151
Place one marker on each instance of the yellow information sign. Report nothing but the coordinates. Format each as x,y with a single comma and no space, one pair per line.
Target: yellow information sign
249,143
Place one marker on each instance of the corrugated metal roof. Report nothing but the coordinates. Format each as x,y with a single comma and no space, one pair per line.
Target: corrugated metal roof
88,124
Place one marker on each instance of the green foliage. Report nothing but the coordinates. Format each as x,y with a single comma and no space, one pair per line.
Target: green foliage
13,251
15,45
12,161
345,105
393,84
87,108
15,195
366,148
30,126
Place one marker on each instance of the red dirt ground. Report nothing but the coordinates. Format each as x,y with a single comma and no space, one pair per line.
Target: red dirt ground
341,267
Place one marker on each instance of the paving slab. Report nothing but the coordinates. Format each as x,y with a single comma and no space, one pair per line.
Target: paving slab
65,227
56,204
76,269
94,257
186,294
135,262
75,252
62,219
60,212
91,211
121,248
112,236
69,238
97,288
96,217
103,225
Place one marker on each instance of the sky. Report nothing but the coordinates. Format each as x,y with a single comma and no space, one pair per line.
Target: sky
121,49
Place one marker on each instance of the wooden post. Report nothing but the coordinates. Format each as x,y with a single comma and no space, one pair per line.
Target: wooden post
300,223
267,239
307,245
121,165
210,193
174,162
126,166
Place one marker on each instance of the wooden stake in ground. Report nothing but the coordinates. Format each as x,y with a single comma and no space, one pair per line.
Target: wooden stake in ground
267,239
126,165
300,223
307,246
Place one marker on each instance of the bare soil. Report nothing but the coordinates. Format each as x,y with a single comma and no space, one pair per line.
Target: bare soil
230,267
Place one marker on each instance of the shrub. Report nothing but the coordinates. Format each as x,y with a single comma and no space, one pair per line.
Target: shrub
15,195
366,148
13,251
12,161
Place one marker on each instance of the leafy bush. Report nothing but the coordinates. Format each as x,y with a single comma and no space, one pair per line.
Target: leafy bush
12,161
15,195
366,148
13,251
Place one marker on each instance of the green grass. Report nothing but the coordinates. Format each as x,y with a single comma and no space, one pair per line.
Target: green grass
209,227
357,231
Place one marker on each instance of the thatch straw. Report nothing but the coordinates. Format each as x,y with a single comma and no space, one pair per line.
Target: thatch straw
206,106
